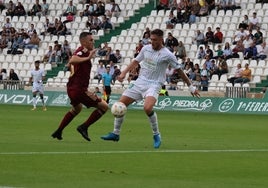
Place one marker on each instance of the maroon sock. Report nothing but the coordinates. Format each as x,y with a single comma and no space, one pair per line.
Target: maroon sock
66,120
94,116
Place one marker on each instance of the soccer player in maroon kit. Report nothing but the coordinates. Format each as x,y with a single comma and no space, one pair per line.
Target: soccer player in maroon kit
77,88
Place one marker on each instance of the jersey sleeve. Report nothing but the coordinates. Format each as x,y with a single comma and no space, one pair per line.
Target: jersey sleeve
78,51
173,61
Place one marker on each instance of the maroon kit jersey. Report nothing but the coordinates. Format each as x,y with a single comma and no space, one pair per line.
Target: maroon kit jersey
80,72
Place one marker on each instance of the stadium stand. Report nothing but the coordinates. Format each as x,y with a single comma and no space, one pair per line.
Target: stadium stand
128,30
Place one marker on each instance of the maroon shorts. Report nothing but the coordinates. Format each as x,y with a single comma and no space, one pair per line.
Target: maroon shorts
86,98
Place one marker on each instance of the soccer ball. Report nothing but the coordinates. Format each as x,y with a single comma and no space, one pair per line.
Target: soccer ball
118,109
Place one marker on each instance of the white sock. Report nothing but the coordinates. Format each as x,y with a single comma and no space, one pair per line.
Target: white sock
43,102
117,124
34,102
154,123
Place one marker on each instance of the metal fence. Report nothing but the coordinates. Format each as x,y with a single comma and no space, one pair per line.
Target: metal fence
12,84
236,91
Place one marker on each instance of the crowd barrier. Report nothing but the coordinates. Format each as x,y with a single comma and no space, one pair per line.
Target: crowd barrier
12,84
236,91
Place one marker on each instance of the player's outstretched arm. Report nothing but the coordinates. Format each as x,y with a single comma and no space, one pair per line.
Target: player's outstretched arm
131,66
77,59
192,89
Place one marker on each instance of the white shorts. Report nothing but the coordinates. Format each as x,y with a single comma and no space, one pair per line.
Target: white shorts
38,87
140,89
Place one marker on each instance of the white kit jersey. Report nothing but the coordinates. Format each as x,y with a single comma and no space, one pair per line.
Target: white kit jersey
154,63
37,75
37,80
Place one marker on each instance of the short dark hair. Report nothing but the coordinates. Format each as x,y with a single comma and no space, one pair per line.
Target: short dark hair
37,61
84,34
157,32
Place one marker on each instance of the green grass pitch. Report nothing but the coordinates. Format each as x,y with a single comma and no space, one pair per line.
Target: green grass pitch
199,150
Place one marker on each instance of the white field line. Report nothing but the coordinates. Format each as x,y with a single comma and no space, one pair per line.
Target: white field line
126,152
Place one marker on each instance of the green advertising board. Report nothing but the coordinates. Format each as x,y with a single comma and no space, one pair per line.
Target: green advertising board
203,104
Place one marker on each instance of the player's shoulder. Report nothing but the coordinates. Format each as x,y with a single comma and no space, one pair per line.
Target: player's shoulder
42,70
147,47
79,51
166,51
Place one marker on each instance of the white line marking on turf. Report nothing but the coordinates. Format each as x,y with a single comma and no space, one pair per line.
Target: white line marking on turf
126,152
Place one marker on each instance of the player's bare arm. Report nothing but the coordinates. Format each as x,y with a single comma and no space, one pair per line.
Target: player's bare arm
30,81
131,66
77,59
193,90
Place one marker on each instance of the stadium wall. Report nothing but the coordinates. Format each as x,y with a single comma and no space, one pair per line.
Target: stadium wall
174,103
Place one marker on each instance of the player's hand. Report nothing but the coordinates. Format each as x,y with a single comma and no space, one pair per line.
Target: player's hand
92,53
194,91
121,77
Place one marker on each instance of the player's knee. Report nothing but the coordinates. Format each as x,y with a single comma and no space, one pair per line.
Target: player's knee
147,109
101,111
103,106
76,110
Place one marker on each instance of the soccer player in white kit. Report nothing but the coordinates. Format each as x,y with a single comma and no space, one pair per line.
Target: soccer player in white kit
36,79
154,60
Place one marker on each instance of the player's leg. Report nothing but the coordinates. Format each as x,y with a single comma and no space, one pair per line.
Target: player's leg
100,105
118,121
43,101
68,117
90,99
148,108
34,99
149,102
